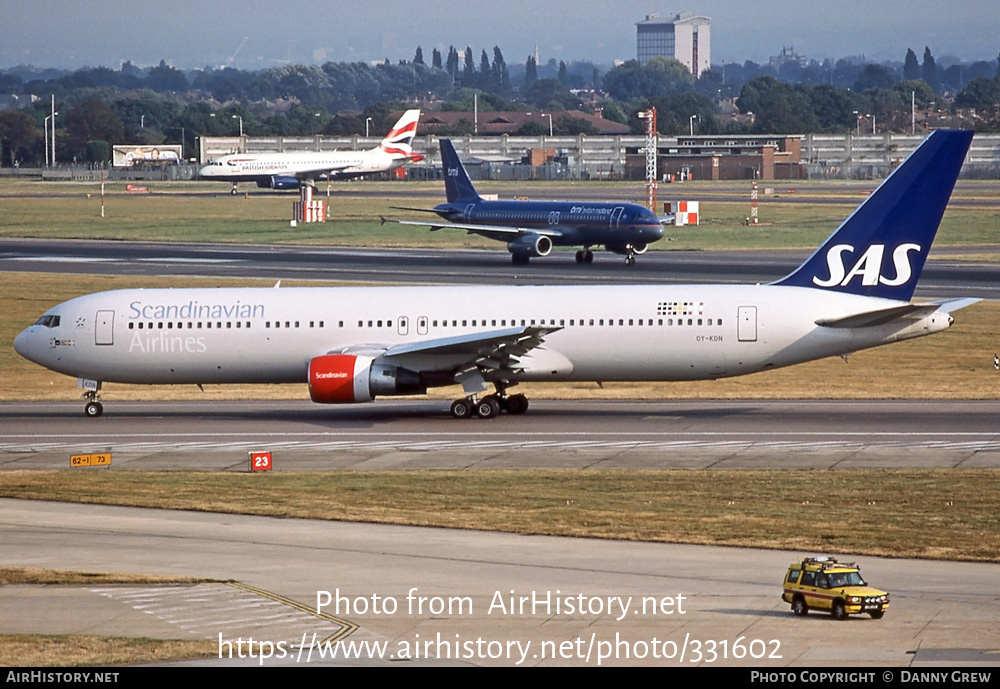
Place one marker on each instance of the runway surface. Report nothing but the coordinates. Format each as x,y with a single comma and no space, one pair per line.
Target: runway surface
941,278
456,596
422,434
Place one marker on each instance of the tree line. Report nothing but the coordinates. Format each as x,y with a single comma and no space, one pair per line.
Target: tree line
163,104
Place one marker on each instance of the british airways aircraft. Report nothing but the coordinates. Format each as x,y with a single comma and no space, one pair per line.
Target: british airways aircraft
292,170
352,344
532,228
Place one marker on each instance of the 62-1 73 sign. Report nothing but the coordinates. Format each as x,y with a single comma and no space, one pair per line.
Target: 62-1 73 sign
260,461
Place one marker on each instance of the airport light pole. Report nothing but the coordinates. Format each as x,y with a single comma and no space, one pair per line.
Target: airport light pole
691,123
240,118
182,139
54,113
857,116
46,137
549,115
367,122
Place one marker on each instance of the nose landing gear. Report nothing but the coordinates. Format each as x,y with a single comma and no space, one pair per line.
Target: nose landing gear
93,408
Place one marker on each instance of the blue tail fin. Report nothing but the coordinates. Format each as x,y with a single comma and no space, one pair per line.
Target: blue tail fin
457,185
880,250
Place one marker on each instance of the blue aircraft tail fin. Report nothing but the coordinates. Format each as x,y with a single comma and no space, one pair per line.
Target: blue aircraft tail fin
457,185
881,248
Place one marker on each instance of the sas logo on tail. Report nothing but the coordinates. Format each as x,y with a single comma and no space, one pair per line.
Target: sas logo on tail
869,266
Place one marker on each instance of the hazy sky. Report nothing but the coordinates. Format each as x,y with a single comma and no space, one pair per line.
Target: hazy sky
196,33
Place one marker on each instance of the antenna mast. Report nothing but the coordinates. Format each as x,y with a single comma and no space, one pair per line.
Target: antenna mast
651,146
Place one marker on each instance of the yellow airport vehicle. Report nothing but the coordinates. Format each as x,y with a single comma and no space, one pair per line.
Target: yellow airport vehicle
822,583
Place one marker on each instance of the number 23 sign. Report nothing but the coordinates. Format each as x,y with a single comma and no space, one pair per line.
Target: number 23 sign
260,461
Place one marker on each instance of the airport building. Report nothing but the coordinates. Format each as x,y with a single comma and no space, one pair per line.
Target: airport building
725,157
684,37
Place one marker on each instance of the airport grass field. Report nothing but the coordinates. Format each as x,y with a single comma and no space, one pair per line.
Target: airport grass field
206,212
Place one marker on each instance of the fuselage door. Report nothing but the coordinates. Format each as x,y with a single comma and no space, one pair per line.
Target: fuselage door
746,324
403,325
421,325
616,216
104,328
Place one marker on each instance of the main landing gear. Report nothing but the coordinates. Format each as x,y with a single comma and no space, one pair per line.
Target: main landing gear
488,407
585,256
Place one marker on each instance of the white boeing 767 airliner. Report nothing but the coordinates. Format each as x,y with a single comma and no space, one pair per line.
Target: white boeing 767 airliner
351,344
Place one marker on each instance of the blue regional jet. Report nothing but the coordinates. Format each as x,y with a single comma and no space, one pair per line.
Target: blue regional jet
532,228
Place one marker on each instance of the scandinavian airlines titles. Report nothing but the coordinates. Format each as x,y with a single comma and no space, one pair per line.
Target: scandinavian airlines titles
193,309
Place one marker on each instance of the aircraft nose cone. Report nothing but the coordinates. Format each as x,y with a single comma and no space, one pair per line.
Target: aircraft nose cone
22,344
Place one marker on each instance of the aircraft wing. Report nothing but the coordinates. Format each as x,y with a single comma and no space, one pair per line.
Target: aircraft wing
502,233
497,349
884,316
316,172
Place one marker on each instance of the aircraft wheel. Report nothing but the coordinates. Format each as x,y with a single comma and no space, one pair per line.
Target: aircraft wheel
588,256
519,259
233,191
580,257
487,408
93,409
461,409
630,260
516,404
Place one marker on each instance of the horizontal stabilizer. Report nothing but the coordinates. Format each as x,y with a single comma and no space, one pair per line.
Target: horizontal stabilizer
408,208
878,317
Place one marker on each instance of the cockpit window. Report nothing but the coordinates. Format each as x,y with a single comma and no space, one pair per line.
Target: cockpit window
49,321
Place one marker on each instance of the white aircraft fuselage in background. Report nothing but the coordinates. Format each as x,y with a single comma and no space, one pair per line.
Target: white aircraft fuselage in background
351,344
291,170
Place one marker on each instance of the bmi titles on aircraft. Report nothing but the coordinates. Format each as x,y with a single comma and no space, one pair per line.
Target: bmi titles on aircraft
586,210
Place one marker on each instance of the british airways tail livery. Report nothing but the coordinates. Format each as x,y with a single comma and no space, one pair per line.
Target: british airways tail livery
353,344
532,228
292,170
